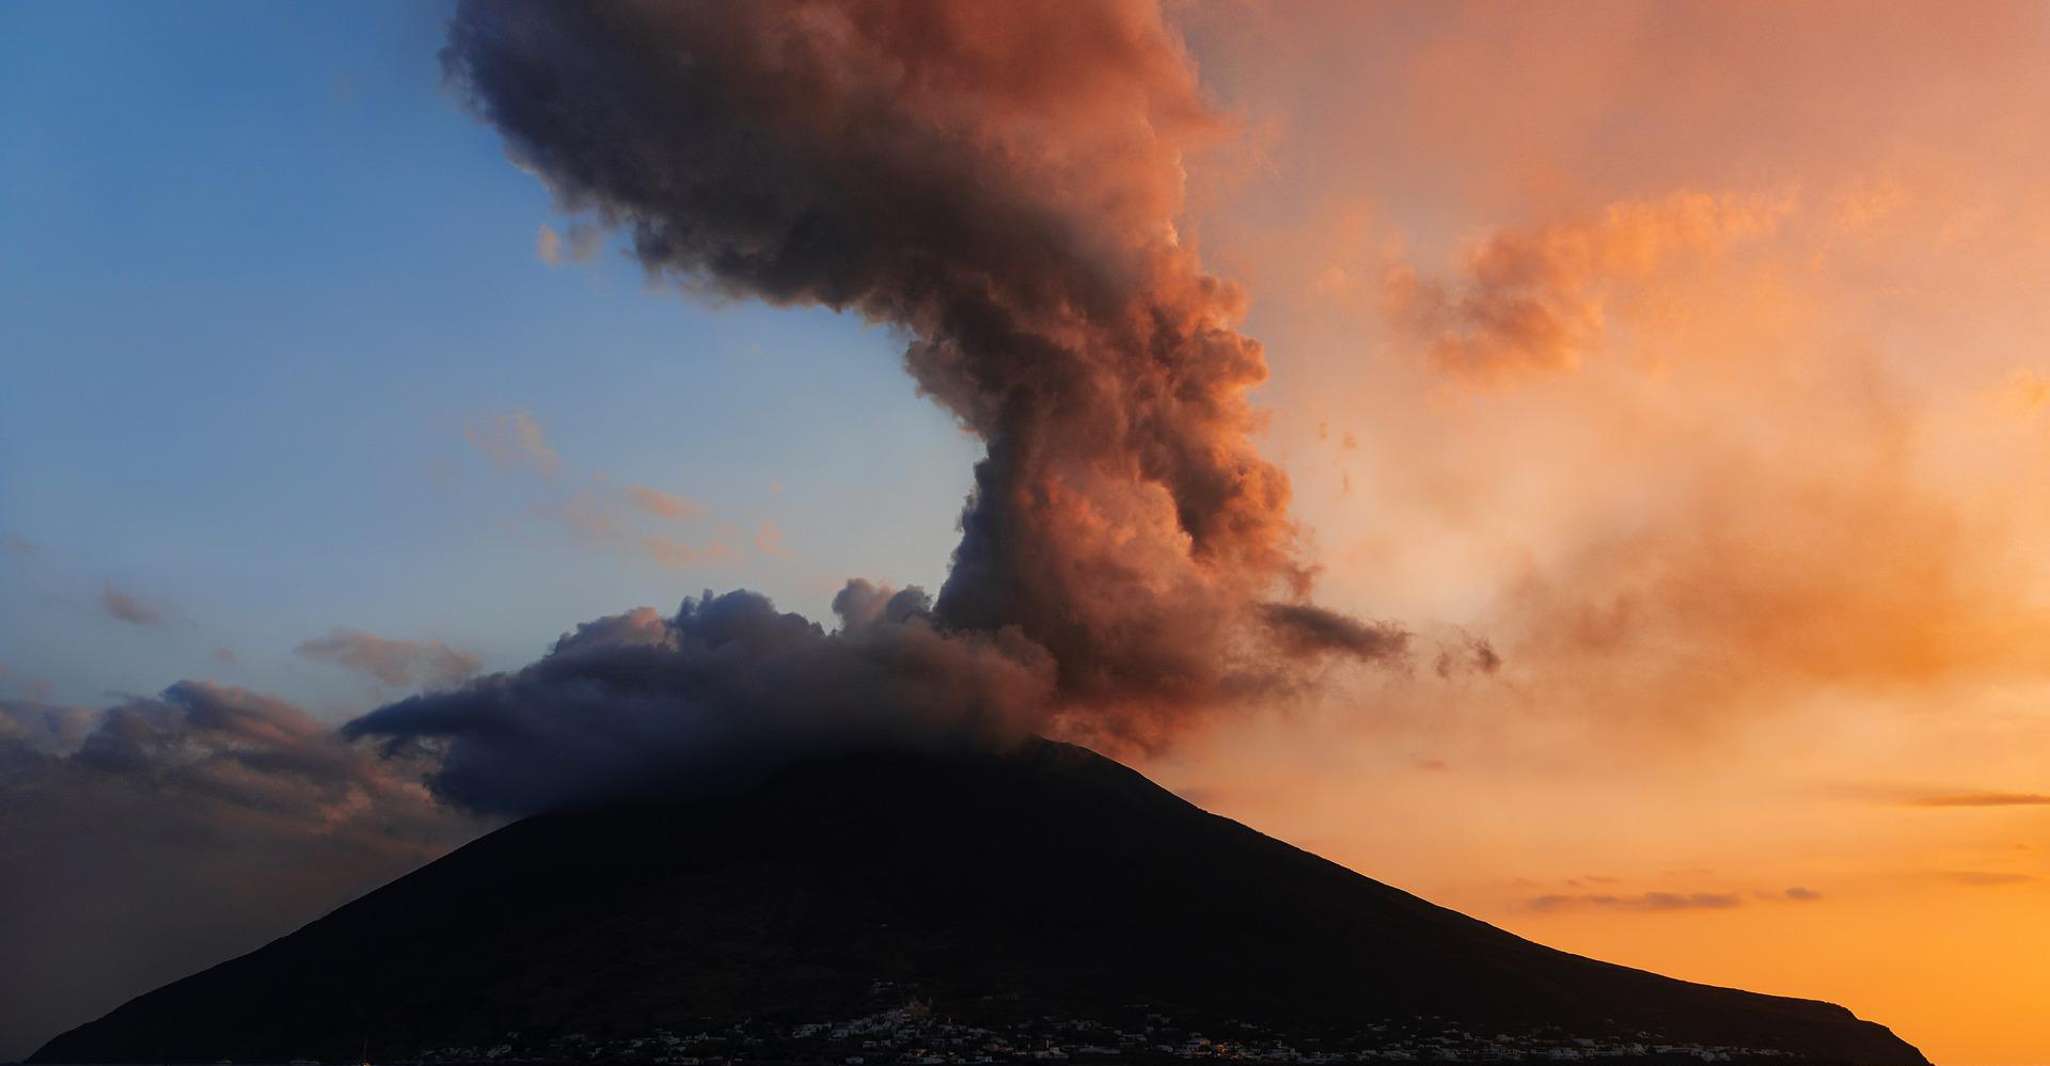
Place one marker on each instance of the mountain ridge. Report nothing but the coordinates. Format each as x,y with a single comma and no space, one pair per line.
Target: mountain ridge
1046,881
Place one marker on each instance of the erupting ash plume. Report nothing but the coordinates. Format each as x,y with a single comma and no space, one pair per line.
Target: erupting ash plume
1000,182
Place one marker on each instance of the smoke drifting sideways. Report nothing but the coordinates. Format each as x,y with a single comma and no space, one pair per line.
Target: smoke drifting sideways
999,182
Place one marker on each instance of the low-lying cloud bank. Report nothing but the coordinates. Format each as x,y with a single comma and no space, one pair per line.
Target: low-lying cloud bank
145,840
640,704
209,746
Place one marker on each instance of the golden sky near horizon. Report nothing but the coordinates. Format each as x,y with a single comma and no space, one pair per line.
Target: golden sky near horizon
1694,357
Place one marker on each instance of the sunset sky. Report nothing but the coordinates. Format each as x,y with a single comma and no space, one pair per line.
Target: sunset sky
1673,373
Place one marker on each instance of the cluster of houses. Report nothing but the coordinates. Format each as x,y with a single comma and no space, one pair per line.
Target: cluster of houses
913,1035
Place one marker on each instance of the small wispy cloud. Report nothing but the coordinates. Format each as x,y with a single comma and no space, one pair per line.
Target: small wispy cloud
589,515
555,247
1981,799
392,662
1645,901
1986,878
663,504
514,441
2027,391
679,555
128,607
1928,796
1468,654
1536,300
633,519
769,540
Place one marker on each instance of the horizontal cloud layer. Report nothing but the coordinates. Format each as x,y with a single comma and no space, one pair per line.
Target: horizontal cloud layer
638,703
239,813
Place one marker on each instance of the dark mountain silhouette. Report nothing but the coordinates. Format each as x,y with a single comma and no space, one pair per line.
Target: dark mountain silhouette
1047,881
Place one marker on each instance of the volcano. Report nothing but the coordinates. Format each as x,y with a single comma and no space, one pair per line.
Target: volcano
929,906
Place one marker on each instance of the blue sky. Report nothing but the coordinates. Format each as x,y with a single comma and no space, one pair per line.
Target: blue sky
262,271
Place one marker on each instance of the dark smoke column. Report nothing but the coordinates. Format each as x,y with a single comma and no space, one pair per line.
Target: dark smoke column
999,180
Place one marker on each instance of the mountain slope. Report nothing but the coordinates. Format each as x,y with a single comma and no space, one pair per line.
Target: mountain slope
1044,881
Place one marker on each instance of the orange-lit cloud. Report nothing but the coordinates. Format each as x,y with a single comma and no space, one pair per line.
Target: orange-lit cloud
390,661
663,504
2027,391
1693,356
769,540
1536,300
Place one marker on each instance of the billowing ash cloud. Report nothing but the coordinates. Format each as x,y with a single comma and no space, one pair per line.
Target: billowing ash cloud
1000,183
637,703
